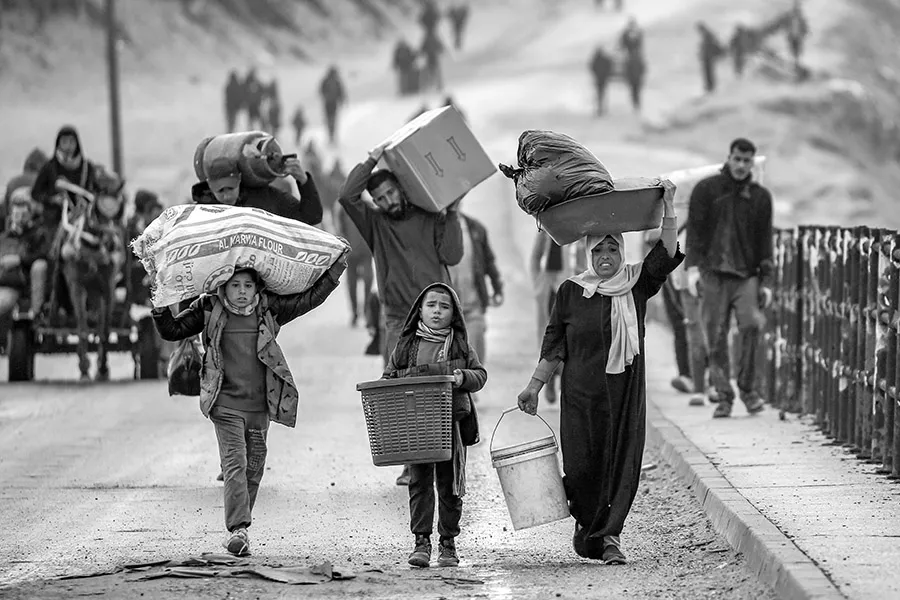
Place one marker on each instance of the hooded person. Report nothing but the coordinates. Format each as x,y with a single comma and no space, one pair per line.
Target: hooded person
22,183
68,162
224,185
34,162
596,330
434,341
245,381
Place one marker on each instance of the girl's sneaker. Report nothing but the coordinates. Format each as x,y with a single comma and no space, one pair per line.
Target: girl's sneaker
448,556
421,554
238,542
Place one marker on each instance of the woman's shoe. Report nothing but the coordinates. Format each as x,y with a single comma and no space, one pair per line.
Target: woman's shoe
613,556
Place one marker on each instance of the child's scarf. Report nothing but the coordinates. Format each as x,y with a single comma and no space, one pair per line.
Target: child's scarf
623,318
439,336
247,310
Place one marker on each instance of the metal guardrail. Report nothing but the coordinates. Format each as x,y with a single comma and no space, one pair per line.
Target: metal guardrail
831,341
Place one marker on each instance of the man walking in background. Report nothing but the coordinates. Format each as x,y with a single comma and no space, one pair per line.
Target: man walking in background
469,278
729,251
710,53
601,69
334,96
635,68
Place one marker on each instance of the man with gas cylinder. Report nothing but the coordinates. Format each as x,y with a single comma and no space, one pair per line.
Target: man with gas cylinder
412,247
224,185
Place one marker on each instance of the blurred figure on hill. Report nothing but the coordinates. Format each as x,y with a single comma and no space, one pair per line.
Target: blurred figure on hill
632,39
741,45
404,64
299,123
459,18
635,70
601,67
797,31
34,162
253,96
234,95
430,16
711,50
730,265
432,49
272,112
334,96
631,42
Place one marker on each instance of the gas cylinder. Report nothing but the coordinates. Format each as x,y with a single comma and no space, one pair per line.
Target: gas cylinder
259,156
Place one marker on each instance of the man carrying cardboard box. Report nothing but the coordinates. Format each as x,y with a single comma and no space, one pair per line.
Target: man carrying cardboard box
412,247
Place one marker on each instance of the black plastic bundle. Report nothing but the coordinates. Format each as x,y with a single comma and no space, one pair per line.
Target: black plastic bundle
554,168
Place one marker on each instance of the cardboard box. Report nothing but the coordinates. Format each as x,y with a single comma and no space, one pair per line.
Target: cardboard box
437,159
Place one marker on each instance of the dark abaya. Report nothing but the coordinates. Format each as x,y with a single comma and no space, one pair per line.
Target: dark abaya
602,416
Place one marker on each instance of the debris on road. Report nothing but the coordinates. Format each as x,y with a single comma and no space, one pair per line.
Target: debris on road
223,565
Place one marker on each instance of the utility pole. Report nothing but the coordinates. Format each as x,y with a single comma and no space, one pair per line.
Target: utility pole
112,59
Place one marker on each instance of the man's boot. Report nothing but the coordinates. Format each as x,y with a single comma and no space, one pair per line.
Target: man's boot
723,409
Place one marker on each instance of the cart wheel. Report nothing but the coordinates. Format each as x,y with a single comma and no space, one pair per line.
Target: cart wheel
21,351
147,357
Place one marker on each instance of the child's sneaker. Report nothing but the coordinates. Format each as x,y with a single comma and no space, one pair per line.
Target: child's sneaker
421,555
448,556
238,542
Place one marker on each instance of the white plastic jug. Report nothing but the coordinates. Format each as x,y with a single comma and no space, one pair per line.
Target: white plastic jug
531,480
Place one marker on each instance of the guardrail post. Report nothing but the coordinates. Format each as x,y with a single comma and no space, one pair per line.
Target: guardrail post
885,355
892,414
870,320
844,367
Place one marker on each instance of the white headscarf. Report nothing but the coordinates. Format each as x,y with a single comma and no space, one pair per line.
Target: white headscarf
625,339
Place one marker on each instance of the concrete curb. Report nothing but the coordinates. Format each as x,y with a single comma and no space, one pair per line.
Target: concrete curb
770,554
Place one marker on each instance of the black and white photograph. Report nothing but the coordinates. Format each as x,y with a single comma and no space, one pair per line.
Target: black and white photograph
450,299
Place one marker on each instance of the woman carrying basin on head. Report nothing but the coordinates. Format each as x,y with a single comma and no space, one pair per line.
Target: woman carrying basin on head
596,330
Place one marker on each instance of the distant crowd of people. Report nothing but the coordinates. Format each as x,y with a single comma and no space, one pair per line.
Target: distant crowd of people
630,63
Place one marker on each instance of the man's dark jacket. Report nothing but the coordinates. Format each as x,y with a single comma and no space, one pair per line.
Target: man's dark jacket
307,209
729,229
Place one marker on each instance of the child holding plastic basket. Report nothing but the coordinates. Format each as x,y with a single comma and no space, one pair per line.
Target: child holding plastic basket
245,381
434,342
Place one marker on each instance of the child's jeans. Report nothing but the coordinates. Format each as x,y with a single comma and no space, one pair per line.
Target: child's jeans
421,499
242,453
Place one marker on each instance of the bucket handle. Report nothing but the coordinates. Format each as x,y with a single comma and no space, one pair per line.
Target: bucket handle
512,409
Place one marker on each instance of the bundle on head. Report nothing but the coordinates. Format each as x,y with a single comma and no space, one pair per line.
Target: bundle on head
554,168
